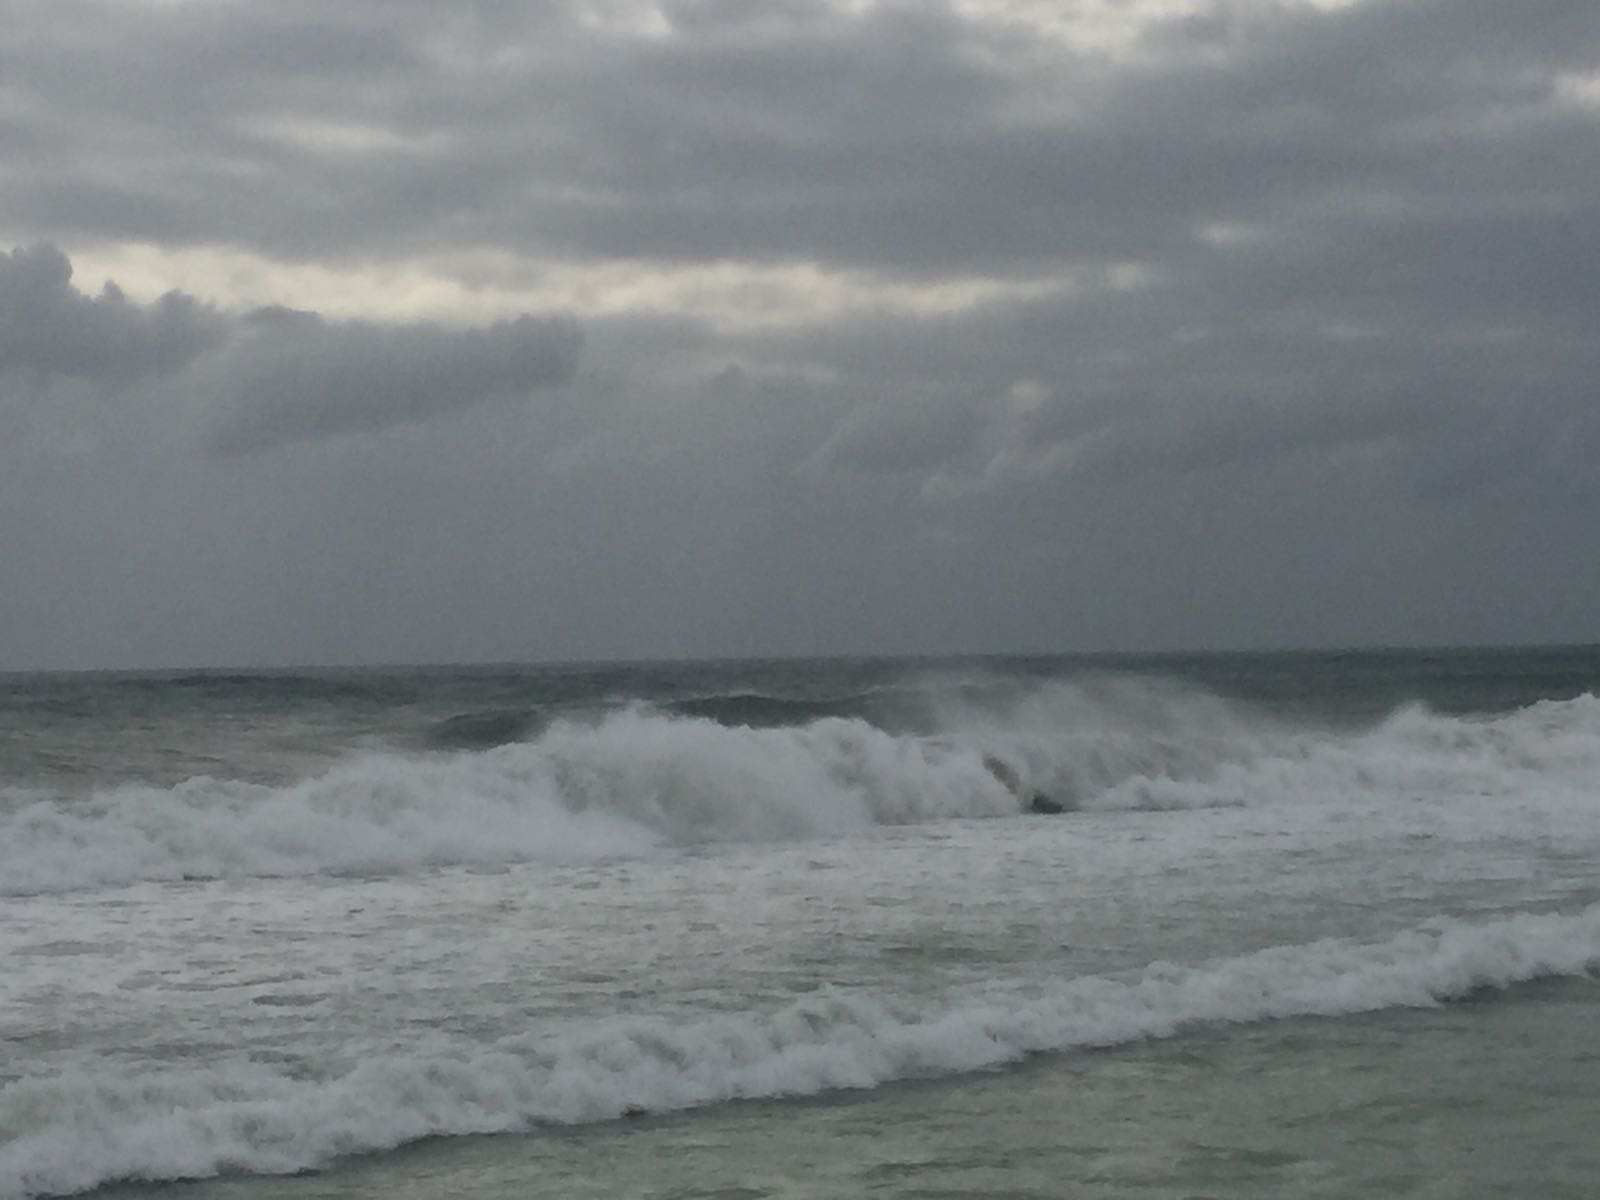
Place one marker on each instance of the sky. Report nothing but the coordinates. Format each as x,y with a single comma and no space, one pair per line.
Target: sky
388,331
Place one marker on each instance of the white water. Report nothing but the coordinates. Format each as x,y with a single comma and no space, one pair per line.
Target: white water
663,913
636,781
77,1129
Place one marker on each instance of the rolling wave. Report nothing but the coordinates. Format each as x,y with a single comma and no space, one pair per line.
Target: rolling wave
638,780
72,1132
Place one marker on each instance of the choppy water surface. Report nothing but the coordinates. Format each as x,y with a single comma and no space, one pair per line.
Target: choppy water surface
255,925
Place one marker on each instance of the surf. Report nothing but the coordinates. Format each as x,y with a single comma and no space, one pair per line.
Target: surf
640,780
76,1130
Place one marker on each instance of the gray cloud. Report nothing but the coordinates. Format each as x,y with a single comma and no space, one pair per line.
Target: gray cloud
908,138
291,375
1320,368
897,437
1149,388
47,327
270,376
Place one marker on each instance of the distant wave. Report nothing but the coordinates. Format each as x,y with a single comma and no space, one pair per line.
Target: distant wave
253,687
73,1132
638,780
483,730
756,711
492,727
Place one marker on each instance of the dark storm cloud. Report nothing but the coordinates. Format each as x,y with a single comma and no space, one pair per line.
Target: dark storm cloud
1137,390
291,376
908,137
1317,366
47,327
1404,170
270,376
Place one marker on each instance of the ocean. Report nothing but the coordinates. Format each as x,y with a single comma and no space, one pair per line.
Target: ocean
1214,925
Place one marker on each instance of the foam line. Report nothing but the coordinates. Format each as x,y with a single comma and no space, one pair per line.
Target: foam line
72,1132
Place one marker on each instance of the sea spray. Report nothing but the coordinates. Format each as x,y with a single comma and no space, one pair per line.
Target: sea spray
638,780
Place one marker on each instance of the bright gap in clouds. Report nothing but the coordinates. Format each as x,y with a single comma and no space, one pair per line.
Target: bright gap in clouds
1104,26
1581,90
1111,28
470,287
335,137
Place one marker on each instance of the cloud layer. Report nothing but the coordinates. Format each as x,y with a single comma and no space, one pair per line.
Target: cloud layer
268,376
47,327
920,138
905,327
292,375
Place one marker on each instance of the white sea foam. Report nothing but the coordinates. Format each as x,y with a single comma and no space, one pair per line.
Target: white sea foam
639,780
581,792
1552,747
72,1132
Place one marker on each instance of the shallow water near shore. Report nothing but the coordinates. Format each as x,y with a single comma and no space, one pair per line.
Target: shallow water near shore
1497,1096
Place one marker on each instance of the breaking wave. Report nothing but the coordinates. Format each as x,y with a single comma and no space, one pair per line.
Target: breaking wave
638,780
73,1132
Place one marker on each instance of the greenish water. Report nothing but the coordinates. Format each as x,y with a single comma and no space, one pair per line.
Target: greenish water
1491,1097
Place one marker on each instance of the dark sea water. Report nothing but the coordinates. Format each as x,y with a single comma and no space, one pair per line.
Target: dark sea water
1185,925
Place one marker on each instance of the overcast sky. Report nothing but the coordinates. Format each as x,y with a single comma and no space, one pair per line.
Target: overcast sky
396,331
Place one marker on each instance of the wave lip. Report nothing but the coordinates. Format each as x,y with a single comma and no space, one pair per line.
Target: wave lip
75,1132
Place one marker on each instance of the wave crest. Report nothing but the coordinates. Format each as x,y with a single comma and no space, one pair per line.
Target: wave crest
636,780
